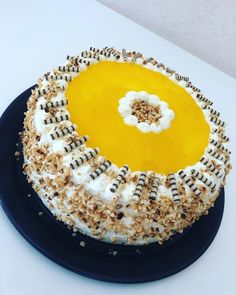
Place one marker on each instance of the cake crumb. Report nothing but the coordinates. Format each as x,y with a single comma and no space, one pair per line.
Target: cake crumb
113,252
82,244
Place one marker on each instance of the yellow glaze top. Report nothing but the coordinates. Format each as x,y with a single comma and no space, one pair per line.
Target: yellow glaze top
93,104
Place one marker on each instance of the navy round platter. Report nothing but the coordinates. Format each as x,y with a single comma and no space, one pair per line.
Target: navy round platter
75,251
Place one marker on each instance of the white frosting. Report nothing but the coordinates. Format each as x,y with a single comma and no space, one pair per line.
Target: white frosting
125,109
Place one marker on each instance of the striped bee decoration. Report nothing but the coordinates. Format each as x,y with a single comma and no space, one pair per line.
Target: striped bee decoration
84,53
219,146
70,147
135,57
217,121
109,49
96,57
150,59
54,104
183,78
95,50
112,51
140,185
70,57
121,176
161,65
90,55
81,60
220,132
224,138
62,132
215,130
154,189
189,182
57,87
56,119
170,71
216,155
68,69
202,178
124,54
67,78
211,167
84,158
194,88
105,53
211,110
204,99
101,169
173,186
40,92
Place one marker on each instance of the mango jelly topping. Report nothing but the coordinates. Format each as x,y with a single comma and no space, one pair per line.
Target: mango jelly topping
93,100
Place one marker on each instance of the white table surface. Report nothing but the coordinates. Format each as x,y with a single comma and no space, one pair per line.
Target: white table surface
35,37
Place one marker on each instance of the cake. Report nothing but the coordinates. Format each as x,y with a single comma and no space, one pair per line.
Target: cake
122,148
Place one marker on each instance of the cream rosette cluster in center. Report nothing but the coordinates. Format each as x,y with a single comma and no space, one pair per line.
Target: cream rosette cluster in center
145,111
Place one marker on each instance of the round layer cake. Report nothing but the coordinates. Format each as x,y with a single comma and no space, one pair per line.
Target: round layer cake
122,148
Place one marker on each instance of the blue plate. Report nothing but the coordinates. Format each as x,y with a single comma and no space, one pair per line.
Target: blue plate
131,264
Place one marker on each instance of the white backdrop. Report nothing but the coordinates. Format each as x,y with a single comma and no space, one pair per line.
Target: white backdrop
37,36
207,29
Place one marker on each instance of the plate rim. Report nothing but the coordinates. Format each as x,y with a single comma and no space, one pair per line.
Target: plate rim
81,271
